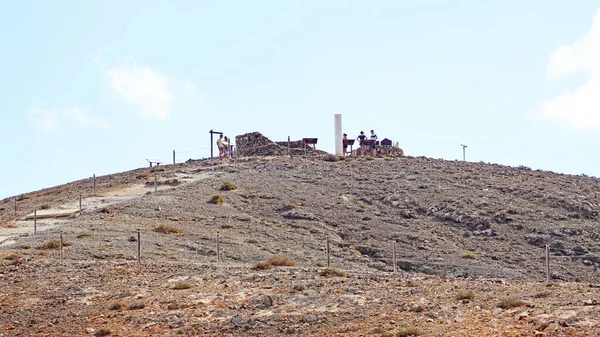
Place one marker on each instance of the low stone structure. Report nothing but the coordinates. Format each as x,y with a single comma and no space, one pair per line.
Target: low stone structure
256,144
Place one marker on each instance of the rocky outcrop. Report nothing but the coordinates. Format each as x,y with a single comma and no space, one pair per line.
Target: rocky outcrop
255,144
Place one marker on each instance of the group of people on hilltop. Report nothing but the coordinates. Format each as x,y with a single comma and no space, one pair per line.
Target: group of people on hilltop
223,145
363,147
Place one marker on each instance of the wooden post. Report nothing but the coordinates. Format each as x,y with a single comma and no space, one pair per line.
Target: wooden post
464,156
155,187
289,147
327,248
94,184
211,143
15,205
173,157
80,208
394,257
139,247
61,246
218,247
35,221
547,262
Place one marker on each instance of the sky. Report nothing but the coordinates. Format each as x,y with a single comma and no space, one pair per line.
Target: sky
98,87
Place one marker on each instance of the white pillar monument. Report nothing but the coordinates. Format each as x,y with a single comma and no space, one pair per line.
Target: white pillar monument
337,120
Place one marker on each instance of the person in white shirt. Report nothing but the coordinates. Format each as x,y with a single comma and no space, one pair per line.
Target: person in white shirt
374,138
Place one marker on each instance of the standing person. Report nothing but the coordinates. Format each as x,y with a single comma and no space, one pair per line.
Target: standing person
374,139
360,139
220,145
344,144
225,146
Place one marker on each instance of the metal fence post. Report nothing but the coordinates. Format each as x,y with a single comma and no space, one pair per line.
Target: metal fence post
327,248
547,262
394,257
218,247
61,246
139,247
35,221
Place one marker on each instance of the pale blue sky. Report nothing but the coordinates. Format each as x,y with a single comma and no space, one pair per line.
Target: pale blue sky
99,86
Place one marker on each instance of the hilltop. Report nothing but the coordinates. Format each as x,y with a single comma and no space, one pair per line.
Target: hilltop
459,226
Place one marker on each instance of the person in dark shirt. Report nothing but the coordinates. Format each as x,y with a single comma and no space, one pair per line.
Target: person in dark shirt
345,145
374,138
360,139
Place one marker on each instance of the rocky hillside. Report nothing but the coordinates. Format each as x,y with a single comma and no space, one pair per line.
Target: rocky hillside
451,220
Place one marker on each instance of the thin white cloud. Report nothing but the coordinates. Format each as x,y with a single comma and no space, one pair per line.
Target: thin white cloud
143,87
51,120
580,107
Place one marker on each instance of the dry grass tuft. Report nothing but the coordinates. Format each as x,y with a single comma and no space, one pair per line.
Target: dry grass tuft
226,226
52,244
332,272
23,197
13,257
413,284
182,286
166,230
228,186
281,261
46,206
103,332
24,247
465,295
158,169
408,331
469,255
216,199
118,306
388,158
84,235
369,158
263,266
509,303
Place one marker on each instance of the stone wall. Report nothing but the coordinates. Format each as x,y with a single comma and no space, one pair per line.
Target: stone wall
255,144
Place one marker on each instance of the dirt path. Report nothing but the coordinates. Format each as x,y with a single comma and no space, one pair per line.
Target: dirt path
25,226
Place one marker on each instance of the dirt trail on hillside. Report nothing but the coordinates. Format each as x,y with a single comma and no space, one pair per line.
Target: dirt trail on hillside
25,226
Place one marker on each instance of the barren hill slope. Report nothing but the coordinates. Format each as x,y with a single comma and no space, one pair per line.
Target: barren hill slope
450,219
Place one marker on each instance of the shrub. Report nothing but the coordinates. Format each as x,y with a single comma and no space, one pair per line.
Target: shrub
413,284
509,303
369,158
103,332
263,265
228,186
182,285
281,261
46,206
158,169
226,226
138,304
332,272
24,247
117,305
469,255
465,295
216,199
23,197
132,239
319,264
52,244
84,235
288,206
166,229
409,331
13,257
388,158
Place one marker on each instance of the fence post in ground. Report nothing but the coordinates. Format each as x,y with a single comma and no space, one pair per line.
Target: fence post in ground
327,248
173,157
15,205
80,208
155,187
547,262
35,221
61,246
94,184
218,239
139,247
289,147
394,257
